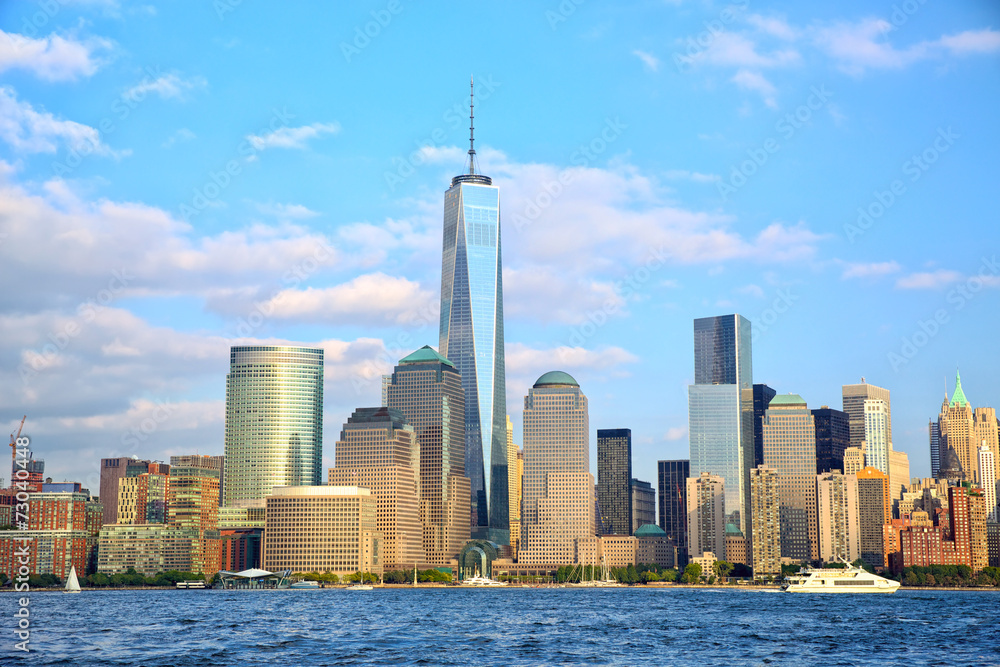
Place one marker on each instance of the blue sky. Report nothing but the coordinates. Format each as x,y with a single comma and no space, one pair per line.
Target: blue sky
180,177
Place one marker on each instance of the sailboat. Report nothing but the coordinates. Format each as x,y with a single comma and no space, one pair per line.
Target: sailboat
72,583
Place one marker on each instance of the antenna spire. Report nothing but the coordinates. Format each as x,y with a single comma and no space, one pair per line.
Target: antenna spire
472,117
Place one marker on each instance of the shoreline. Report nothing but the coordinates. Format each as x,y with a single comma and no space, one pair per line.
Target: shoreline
427,586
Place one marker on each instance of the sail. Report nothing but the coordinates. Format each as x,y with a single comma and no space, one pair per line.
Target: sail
72,583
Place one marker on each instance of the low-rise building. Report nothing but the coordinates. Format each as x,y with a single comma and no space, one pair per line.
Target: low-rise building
149,548
653,547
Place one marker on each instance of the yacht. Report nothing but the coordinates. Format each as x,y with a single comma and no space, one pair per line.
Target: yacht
835,580
304,585
482,581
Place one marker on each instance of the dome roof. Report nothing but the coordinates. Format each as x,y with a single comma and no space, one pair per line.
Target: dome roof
951,460
424,355
555,379
649,530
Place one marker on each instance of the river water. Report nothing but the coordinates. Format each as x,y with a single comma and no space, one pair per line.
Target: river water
624,626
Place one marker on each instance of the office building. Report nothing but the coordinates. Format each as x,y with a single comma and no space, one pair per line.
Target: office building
513,489
653,547
765,548
427,389
720,410
274,420
205,461
934,436
149,548
322,529
833,437
193,504
837,509
61,533
378,450
113,470
518,489
790,450
874,512
472,337
142,499
854,460
557,510
643,502
673,476
876,444
899,476
240,548
854,397
706,515
614,479
988,481
762,395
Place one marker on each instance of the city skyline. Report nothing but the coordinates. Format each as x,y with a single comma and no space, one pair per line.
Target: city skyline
352,267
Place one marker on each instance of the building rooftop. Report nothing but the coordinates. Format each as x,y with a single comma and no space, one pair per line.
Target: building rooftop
555,379
786,399
649,530
958,400
424,355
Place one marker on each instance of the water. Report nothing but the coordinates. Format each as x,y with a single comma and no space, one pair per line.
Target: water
633,626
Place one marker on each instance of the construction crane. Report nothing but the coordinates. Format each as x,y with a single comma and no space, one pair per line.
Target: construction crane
14,439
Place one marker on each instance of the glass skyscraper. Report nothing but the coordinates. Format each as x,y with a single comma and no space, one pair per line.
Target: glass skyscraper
720,411
614,476
471,337
274,420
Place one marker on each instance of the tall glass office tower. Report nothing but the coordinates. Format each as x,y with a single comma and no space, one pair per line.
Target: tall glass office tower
720,411
471,337
274,420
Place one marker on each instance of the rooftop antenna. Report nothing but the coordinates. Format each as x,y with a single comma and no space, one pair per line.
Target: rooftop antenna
472,117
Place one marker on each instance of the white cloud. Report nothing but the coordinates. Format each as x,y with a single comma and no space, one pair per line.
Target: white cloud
292,137
525,364
675,433
737,50
286,211
180,136
929,279
52,58
648,59
30,131
756,82
168,86
697,177
774,26
973,41
751,290
873,269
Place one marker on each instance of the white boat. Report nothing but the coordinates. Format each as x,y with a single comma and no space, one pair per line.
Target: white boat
838,580
360,587
72,583
197,583
482,581
304,585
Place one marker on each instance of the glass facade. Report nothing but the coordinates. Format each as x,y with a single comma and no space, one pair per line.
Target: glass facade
614,472
721,411
274,420
471,337
673,503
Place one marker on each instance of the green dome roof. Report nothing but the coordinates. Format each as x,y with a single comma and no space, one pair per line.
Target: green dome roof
649,530
554,378
424,355
786,399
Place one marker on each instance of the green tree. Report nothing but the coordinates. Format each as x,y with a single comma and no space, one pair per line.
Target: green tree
692,573
669,574
722,568
649,576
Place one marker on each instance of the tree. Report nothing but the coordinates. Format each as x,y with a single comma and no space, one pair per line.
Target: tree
722,568
669,575
692,573
648,576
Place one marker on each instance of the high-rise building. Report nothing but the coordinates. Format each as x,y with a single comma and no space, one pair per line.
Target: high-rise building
642,499
977,530
472,337
876,443
899,476
557,510
874,512
985,431
854,397
427,389
988,481
322,529
614,480
837,509
963,429
720,410
274,420
113,470
673,476
518,492
934,433
193,504
833,437
513,488
142,499
762,395
765,551
706,515
61,533
790,450
854,460
205,461
378,450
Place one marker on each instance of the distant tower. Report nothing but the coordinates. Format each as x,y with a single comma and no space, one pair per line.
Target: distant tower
874,512
934,435
988,480
558,505
274,420
876,442
766,546
706,515
762,395
837,503
471,336
854,396
672,486
614,475
833,437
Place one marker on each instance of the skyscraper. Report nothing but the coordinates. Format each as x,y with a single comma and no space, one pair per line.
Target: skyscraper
614,475
790,450
204,461
471,336
557,511
837,503
762,395
988,481
854,397
515,468
765,550
643,502
672,485
378,450
874,512
720,410
706,515
934,435
427,389
113,470
193,504
876,443
274,420
833,437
